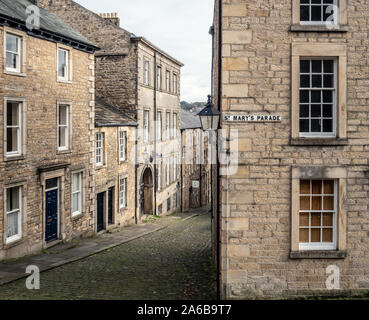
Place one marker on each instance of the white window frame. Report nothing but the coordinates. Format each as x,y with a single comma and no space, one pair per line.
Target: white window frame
160,126
146,125
78,192
335,98
122,146
321,22
168,120
122,193
18,53
100,148
321,245
19,128
146,72
20,216
67,67
66,126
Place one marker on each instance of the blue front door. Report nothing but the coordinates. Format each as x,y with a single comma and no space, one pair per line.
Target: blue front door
51,230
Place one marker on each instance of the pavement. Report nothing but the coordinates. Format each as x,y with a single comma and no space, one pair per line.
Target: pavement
164,258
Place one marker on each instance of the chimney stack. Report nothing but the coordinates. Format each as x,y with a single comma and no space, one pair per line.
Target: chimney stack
112,17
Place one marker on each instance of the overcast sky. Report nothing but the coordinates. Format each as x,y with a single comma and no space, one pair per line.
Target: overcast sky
180,28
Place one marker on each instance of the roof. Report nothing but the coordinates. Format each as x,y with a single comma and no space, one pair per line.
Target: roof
155,48
16,11
189,121
107,115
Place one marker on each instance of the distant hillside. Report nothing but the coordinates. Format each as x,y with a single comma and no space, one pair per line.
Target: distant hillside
194,107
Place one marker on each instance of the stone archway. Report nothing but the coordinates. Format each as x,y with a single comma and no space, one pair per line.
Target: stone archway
147,192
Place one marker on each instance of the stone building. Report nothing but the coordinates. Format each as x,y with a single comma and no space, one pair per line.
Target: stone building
195,170
295,214
46,140
144,81
115,136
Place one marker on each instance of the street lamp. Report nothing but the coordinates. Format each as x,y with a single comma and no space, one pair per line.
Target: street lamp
209,116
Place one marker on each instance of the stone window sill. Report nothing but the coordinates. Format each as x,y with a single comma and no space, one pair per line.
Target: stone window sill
318,142
13,158
13,243
317,28
77,216
321,254
14,73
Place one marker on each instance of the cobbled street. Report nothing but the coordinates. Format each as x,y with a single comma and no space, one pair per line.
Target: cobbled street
174,263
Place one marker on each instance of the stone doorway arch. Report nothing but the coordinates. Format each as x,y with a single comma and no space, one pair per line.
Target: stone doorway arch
147,192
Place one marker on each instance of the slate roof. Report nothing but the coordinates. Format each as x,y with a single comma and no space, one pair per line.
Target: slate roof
107,115
16,10
189,121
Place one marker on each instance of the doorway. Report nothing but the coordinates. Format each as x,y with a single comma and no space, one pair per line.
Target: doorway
147,192
100,211
52,210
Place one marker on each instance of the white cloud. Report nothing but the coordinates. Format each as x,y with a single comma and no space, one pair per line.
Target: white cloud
178,27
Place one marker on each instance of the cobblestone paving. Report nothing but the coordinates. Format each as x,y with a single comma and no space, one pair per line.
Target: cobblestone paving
174,263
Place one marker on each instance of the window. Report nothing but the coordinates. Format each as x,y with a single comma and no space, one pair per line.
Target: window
317,218
146,73
76,193
158,81
146,126
122,146
175,121
159,127
13,214
168,125
159,173
63,127
123,193
317,97
175,168
13,53
168,205
13,128
175,84
318,11
99,149
318,88
168,172
175,204
63,64
167,81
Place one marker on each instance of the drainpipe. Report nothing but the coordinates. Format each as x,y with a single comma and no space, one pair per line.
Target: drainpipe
155,136
181,154
219,269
